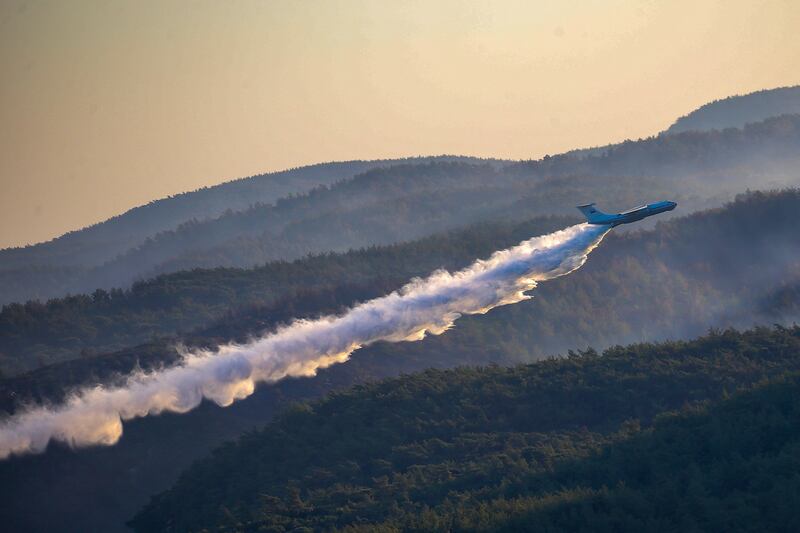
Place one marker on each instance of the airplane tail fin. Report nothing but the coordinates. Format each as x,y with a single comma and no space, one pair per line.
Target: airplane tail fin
591,213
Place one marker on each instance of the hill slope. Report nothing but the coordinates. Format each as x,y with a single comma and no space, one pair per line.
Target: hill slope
404,202
547,446
61,260
103,241
736,111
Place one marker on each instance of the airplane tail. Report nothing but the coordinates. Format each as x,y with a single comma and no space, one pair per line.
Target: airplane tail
592,214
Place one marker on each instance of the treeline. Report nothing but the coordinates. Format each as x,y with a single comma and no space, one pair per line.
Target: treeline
585,442
408,201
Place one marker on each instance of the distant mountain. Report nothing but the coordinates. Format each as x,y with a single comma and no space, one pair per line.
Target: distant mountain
103,241
409,201
584,443
736,111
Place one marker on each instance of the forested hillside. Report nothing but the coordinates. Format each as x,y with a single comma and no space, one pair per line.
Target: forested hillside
36,334
403,202
671,281
580,443
736,111
666,281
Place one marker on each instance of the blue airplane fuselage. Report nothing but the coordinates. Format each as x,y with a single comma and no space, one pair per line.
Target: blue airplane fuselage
593,216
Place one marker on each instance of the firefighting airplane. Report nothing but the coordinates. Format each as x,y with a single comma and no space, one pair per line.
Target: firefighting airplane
593,216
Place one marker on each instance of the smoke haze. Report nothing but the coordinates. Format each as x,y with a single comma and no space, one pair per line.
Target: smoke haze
230,372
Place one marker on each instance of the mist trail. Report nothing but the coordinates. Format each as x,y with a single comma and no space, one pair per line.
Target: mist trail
230,372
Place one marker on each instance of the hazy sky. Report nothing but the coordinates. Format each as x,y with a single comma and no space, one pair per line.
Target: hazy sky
105,105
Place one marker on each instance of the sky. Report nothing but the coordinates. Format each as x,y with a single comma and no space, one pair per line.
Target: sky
106,105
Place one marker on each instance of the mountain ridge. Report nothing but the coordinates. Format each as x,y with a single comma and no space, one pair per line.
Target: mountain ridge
409,201
737,110
245,191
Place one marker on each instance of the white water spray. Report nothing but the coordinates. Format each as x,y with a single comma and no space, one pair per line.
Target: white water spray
94,415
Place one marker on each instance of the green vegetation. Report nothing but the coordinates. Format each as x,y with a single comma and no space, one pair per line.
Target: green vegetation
584,441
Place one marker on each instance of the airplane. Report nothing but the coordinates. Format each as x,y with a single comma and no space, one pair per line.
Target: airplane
593,216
